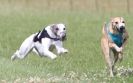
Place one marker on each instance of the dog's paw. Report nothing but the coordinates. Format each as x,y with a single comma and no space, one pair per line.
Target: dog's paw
119,49
53,57
65,51
62,51
13,57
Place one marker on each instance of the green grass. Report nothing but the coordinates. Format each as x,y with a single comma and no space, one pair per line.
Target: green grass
84,63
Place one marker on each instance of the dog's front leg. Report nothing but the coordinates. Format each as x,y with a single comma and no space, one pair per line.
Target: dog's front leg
49,54
107,56
44,48
59,47
120,56
113,45
24,49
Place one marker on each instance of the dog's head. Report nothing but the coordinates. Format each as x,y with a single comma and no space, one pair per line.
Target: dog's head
59,30
118,24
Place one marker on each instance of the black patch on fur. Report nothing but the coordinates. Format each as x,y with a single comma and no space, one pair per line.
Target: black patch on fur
36,37
43,34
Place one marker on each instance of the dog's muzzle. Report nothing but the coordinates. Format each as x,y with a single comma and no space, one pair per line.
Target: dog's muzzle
121,29
64,38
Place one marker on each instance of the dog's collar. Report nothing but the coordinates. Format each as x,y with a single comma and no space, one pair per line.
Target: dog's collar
44,34
116,38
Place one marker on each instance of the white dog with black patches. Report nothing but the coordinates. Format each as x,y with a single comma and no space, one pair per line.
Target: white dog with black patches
40,42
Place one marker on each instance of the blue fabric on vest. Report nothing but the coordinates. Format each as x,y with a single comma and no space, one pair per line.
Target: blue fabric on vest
117,38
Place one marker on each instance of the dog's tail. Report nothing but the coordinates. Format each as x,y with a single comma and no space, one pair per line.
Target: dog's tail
36,38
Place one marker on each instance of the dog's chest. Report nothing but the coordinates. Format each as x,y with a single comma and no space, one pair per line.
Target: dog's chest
117,39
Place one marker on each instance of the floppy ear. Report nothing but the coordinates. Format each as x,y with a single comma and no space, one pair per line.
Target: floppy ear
54,28
122,18
112,21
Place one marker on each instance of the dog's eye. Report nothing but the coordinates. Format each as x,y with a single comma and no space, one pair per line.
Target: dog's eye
123,21
64,28
116,22
56,29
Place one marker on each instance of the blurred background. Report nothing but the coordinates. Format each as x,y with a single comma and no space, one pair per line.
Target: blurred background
104,6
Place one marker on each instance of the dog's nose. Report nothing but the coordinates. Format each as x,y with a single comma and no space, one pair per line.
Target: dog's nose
63,34
122,28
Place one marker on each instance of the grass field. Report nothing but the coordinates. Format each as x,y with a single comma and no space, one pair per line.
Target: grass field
83,64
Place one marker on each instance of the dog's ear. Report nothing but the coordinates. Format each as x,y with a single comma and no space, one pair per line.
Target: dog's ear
112,21
54,28
123,20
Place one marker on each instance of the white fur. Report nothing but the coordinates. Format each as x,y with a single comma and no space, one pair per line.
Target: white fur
42,48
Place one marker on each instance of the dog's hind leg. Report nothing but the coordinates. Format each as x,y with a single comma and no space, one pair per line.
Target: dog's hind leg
35,51
14,56
24,49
